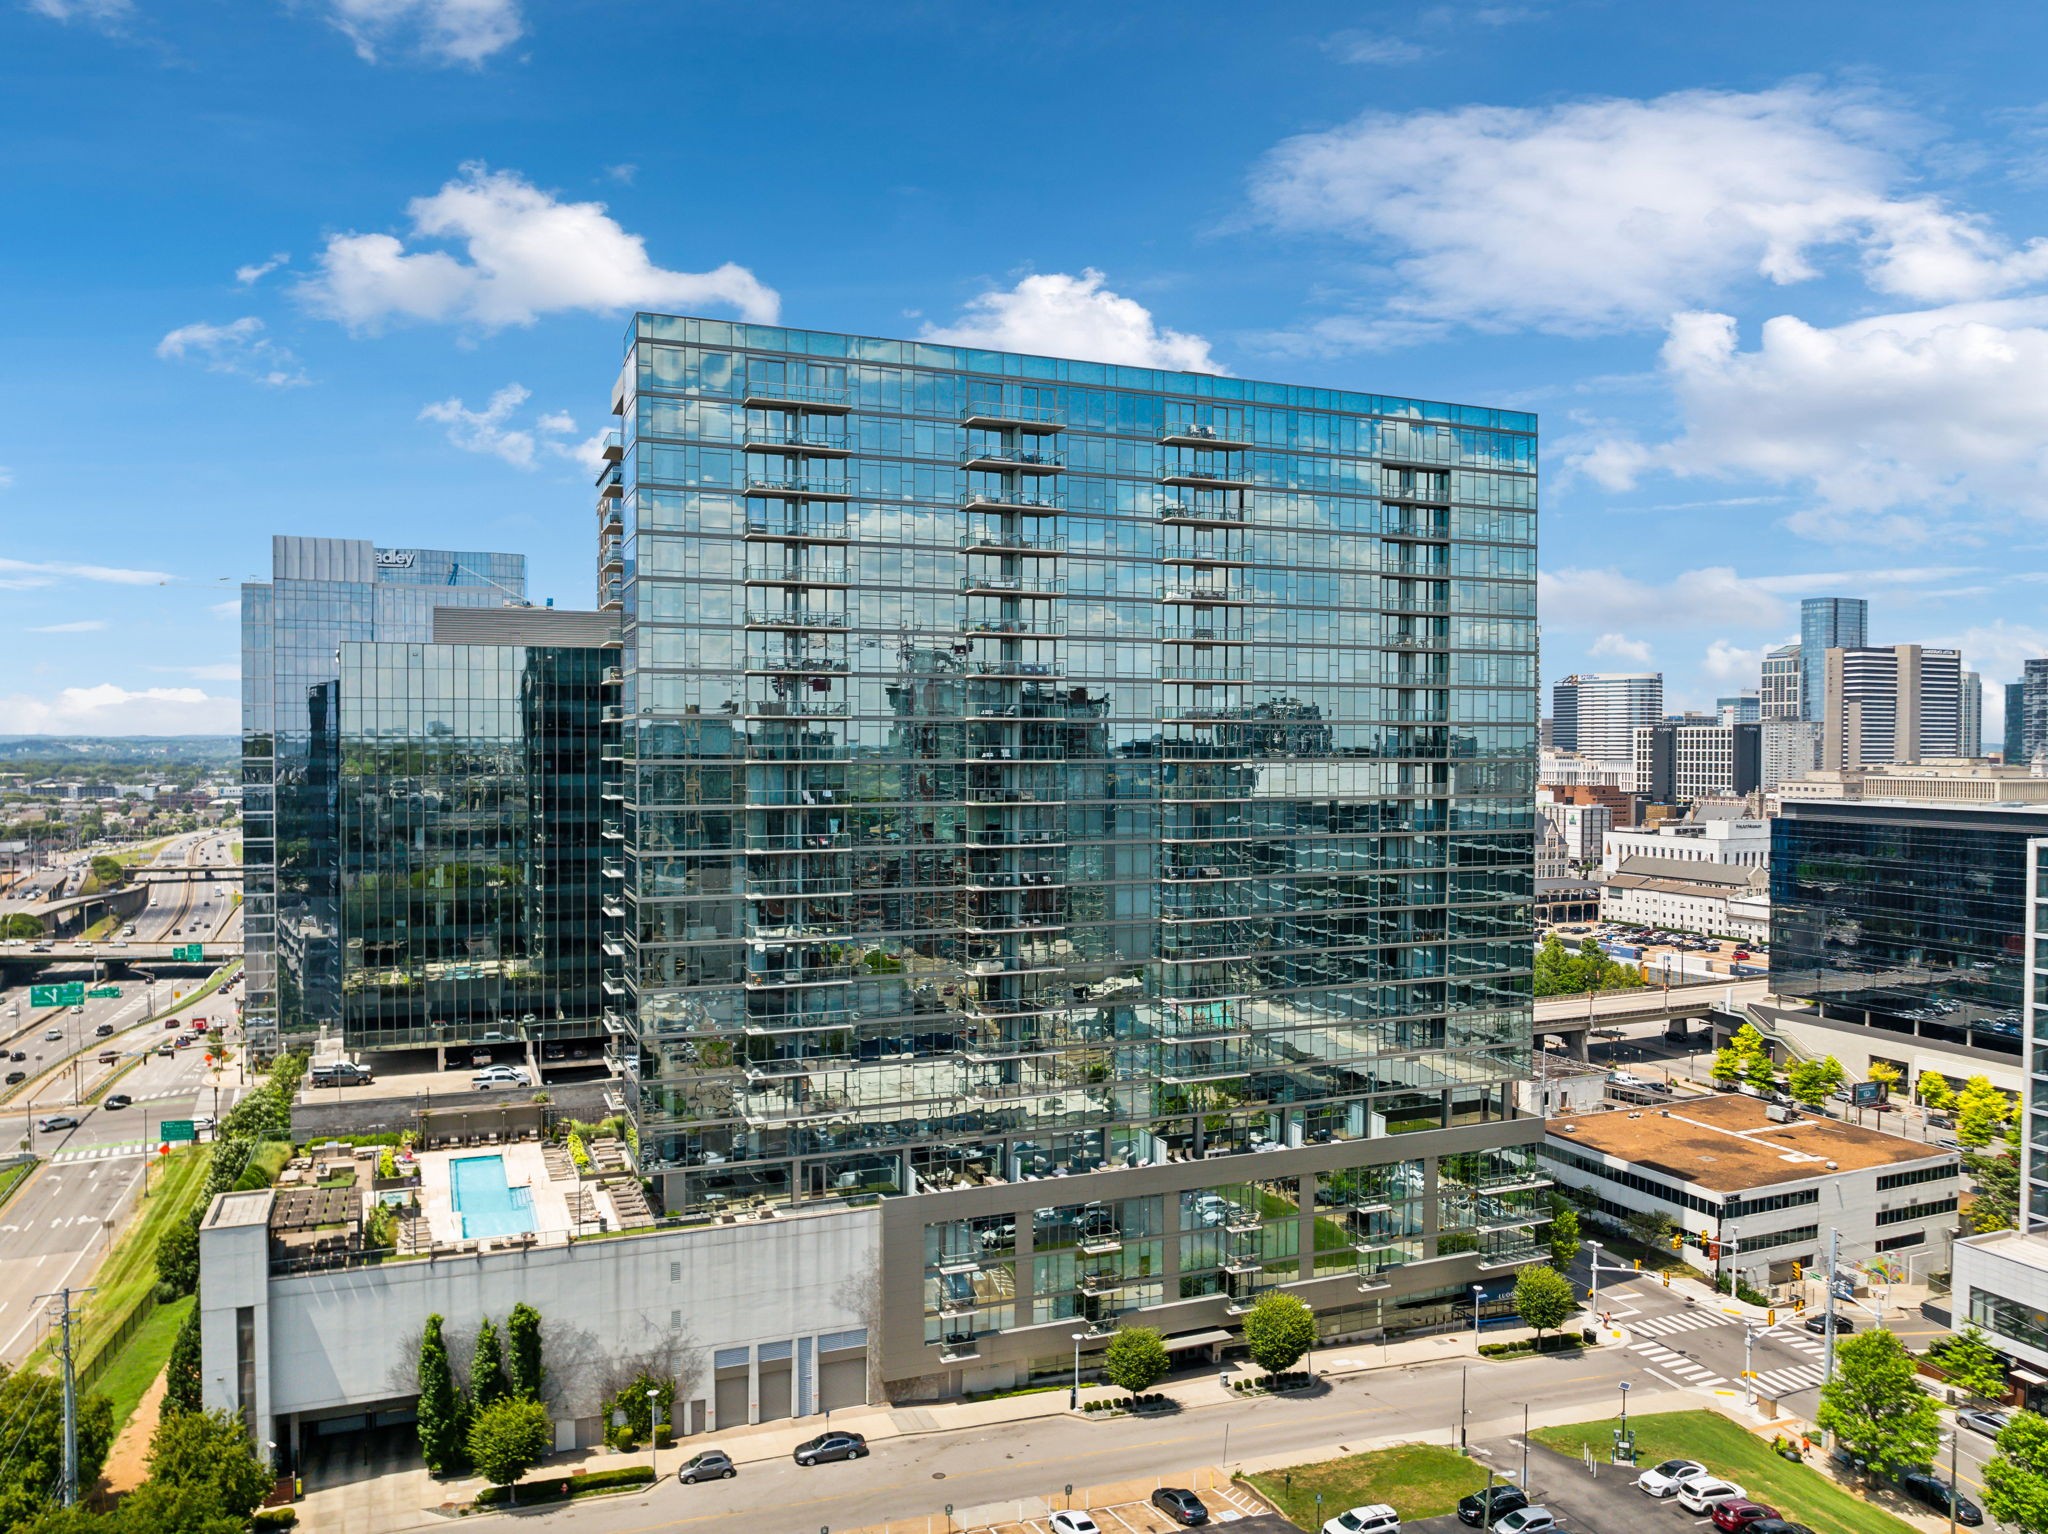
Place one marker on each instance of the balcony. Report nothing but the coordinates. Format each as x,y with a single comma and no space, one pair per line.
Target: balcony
1206,479
1099,1283
1047,627
785,979
798,575
1023,503
1190,434
795,444
1013,585
780,708
994,415
613,448
796,620
1034,546
611,482
1193,514
1017,670
1013,460
1189,671
1201,636
795,665
815,487
1208,593
1418,525
959,1350
1431,489
1204,558
799,397
761,530
611,522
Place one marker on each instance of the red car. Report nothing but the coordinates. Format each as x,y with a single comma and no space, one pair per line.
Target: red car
1736,1516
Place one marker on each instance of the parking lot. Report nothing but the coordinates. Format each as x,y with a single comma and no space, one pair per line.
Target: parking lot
1135,1515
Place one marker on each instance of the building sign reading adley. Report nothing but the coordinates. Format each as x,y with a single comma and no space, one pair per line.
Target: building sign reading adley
395,559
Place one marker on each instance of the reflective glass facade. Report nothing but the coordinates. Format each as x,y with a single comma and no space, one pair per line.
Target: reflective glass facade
469,796
1826,623
323,593
1909,918
1032,767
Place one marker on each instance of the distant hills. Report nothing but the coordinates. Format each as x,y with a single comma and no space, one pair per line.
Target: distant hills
120,748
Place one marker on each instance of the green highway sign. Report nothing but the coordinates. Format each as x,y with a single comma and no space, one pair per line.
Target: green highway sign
192,952
104,993
177,1129
70,994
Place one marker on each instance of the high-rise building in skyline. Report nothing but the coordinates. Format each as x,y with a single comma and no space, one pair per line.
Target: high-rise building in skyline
1739,708
1039,767
1970,716
1790,747
2014,724
1779,693
1826,623
1890,703
323,593
1596,713
1684,762
2026,713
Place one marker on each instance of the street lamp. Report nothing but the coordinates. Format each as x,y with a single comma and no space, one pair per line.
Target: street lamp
1074,1393
1593,1293
653,1433
1478,1294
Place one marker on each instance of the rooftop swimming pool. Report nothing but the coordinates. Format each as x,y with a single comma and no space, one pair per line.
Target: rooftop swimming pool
487,1203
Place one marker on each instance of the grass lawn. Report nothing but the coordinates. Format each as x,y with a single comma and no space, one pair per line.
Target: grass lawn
147,852
1794,1490
218,979
13,1178
142,1358
1421,1480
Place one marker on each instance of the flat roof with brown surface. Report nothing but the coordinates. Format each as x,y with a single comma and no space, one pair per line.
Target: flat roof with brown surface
1726,1144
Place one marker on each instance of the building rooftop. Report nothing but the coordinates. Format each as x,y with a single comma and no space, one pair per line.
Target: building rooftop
1728,1144
248,1208
1640,869
2029,1247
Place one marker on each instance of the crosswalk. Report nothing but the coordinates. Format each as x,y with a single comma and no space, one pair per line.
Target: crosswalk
100,1152
1683,1321
1782,1382
1677,1363
1776,1382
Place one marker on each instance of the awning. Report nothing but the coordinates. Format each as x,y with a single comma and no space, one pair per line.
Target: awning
2024,1376
1204,1339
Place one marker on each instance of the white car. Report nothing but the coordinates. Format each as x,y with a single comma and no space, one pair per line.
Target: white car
1074,1523
1662,1480
1374,1518
1527,1520
1705,1492
500,1076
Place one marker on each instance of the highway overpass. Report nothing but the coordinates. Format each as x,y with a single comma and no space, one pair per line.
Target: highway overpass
1573,1018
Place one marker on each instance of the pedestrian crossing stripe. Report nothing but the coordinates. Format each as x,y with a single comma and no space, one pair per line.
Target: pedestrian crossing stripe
1785,1381
1688,1321
1677,1363
100,1152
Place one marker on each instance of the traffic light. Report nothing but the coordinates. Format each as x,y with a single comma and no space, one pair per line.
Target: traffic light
1639,1264
1798,1273
1667,1280
1678,1243
1771,1316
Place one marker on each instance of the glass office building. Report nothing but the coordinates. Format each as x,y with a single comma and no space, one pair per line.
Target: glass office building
1826,623
1909,919
323,593
1039,769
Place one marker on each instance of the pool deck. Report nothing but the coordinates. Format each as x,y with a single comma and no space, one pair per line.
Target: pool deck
524,1165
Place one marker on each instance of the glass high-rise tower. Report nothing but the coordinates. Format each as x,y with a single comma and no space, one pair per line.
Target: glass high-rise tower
1826,623
1037,769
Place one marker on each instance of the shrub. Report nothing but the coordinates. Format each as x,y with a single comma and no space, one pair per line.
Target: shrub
273,1518
571,1486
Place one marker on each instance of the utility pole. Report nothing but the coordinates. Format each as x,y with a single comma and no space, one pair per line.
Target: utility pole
68,1487
1827,1374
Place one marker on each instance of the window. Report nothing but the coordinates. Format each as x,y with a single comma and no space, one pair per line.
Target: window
1899,1243
1777,1238
1941,1173
2009,1318
1917,1211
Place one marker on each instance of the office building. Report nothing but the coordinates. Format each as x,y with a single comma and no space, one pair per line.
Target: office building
1712,835
1597,713
1952,780
1890,703
1826,623
1791,748
2026,714
2013,725
1581,823
1970,716
323,592
1037,767
1683,762
1739,708
1779,695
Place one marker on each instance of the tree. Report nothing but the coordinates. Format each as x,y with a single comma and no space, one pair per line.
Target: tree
1651,1227
1935,1091
1278,1330
1726,1068
1564,1235
1886,1076
487,1382
440,1404
1810,1081
1135,1359
177,1260
1760,1071
183,1386
2016,1477
1997,1204
1981,1112
108,871
522,1330
508,1438
1543,1298
209,1448
32,1404
1875,1407
1973,1365
631,1400
20,924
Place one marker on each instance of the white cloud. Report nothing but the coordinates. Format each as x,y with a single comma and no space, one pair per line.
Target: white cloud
442,31
26,574
491,430
1373,48
256,271
1608,603
1612,213
528,254
623,174
1890,422
1730,663
108,709
231,608
239,347
80,626
1621,647
107,15
1997,649
1061,315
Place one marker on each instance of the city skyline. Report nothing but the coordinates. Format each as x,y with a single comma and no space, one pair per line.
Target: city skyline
401,337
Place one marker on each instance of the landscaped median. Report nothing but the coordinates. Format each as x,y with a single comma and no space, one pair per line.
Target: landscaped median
562,1488
1727,1448
1420,1480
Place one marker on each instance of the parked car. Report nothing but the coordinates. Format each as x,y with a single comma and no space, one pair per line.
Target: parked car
1482,1508
1931,1491
1989,1421
1662,1480
500,1076
1181,1505
1706,1491
1739,1516
118,1100
1529,1520
52,1122
1373,1518
830,1446
16,1078
711,1465
1777,1526
1074,1523
1818,1325
337,1073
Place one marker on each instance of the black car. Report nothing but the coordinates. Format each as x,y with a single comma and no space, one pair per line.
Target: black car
19,1054
15,1078
1181,1505
828,1446
1818,1325
117,1100
1483,1508
711,1465
1931,1491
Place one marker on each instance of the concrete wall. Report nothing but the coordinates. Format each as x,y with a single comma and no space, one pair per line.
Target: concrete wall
2014,1268
1855,1045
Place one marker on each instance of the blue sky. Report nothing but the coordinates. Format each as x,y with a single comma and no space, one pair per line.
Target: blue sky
1774,276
